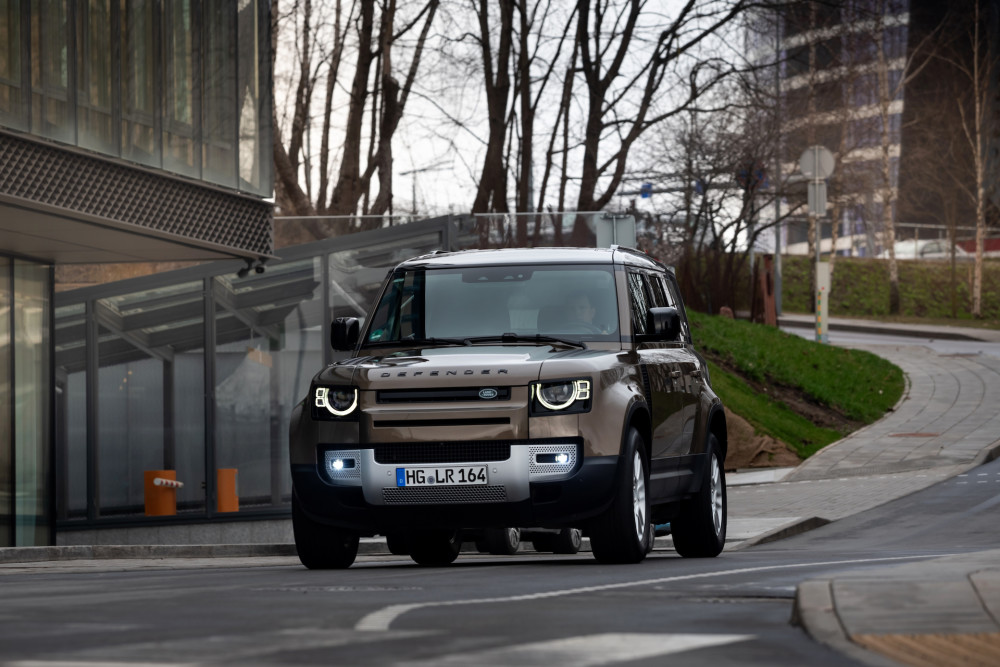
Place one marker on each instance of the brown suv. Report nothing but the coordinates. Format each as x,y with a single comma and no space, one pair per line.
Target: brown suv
547,388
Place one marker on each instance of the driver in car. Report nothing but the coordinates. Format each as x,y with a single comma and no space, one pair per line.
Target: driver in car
582,310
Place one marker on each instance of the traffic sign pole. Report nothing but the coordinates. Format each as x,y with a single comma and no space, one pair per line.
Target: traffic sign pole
816,164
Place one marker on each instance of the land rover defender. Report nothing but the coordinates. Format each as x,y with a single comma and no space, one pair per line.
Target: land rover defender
553,388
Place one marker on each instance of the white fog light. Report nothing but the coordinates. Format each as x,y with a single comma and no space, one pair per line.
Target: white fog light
554,461
343,464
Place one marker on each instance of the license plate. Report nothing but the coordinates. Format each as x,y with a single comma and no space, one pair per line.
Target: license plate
444,476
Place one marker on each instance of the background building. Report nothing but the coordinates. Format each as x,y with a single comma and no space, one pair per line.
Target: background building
129,132
880,84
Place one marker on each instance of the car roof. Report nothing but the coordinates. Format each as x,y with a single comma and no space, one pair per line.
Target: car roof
516,256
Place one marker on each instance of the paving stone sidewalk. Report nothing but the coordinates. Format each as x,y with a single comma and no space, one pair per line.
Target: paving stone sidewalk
947,422
936,612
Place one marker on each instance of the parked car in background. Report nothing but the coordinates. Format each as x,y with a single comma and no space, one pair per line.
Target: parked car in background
926,249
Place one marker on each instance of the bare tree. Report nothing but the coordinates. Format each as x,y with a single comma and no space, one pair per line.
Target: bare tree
330,42
492,191
606,35
895,67
978,68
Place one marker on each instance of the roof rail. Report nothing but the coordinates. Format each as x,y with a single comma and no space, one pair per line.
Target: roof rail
637,253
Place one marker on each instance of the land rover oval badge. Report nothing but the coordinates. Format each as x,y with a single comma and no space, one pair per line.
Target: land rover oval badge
488,393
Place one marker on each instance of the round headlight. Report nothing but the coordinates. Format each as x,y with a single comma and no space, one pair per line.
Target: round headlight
338,401
343,400
557,396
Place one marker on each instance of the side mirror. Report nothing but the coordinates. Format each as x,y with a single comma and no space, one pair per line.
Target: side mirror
664,323
344,333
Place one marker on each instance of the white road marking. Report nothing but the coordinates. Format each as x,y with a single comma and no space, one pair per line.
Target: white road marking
585,651
382,619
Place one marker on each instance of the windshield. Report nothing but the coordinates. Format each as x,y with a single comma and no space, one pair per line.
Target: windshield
575,302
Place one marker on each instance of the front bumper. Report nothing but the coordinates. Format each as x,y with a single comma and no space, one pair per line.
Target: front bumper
519,493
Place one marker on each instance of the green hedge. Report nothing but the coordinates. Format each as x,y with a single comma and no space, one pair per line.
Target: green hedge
860,288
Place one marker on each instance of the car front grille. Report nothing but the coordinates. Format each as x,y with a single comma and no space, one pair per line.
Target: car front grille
449,495
442,452
442,395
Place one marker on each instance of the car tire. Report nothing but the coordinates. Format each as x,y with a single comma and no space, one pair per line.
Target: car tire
322,547
502,541
435,548
568,541
398,544
699,530
620,535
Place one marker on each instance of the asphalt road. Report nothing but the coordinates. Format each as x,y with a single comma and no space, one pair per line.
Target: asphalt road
526,610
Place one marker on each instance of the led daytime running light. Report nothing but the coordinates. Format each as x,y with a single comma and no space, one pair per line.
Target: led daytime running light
323,401
581,392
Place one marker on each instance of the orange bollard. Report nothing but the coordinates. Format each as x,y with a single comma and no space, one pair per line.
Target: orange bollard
228,498
160,500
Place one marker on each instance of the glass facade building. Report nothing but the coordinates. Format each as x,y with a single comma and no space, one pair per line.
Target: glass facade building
177,85
25,402
130,131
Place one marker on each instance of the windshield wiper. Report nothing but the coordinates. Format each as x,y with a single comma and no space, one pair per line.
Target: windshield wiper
421,341
519,338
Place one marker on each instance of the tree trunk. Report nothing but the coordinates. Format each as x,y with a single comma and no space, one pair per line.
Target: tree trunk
348,190
493,178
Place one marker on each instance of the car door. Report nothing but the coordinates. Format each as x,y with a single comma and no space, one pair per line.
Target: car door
660,371
692,375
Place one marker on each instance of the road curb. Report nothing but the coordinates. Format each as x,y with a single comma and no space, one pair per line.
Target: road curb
937,334
791,529
139,551
815,612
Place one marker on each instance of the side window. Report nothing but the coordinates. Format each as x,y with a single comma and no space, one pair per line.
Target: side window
639,301
411,308
675,301
400,313
660,298
385,323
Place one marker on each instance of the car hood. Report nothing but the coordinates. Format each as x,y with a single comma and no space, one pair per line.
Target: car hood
505,365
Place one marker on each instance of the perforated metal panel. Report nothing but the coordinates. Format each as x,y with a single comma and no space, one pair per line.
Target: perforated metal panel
446,495
543,470
44,174
347,474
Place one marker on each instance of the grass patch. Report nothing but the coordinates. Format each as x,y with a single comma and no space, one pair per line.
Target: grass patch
859,385
769,416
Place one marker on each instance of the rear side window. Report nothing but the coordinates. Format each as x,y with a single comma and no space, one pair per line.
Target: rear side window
674,294
638,298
